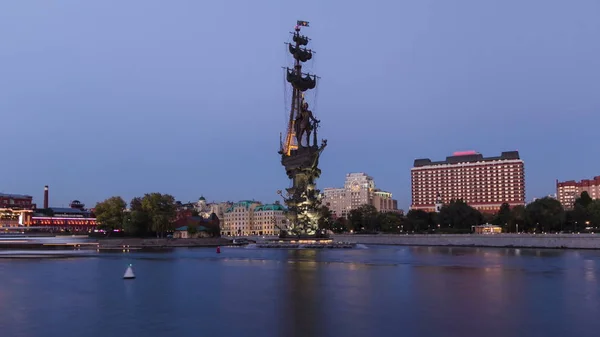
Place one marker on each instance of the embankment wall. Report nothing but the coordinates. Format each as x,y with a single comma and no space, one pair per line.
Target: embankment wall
571,241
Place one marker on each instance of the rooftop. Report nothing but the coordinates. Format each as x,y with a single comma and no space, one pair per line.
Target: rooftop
467,157
269,207
16,196
185,228
244,203
68,210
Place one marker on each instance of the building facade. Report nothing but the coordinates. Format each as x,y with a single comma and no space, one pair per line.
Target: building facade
249,217
359,189
15,210
238,218
16,201
205,209
568,191
384,202
269,219
485,183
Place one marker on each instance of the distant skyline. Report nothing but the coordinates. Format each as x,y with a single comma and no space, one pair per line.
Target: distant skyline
103,98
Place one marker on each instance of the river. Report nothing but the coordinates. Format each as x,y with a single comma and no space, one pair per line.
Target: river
378,291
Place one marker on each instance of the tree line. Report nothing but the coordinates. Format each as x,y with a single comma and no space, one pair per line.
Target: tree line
154,213
542,215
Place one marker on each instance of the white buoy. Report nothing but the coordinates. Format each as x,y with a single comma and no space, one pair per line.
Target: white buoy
129,275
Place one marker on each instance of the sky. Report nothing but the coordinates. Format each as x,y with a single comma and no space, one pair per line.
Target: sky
187,97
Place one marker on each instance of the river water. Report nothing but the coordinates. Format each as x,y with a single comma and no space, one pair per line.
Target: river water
378,291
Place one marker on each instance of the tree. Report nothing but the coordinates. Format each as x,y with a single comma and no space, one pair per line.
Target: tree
594,212
340,225
364,218
584,199
390,222
161,210
417,220
137,221
136,204
110,213
518,217
545,214
457,214
195,212
503,217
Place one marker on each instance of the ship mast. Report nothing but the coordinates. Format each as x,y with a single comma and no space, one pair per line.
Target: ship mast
300,83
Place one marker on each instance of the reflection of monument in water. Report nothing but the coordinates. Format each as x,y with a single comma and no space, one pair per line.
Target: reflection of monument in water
303,296
299,151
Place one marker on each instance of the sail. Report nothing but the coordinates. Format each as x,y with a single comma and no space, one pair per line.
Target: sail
300,39
299,82
300,54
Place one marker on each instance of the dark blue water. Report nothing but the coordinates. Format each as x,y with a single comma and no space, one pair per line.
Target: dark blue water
387,291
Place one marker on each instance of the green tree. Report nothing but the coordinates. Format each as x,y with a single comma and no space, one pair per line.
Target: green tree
340,225
137,221
518,218
136,204
503,217
364,218
390,222
457,214
584,199
545,214
417,220
110,213
161,210
594,212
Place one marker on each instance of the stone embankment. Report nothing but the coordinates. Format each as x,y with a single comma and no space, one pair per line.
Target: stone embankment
161,243
566,241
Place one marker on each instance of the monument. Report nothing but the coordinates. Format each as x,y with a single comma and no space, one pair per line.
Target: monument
300,150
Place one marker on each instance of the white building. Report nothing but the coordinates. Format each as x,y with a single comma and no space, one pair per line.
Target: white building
269,219
250,217
237,219
359,189
206,209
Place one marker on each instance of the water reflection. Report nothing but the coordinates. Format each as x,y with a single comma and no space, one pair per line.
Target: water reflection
411,291
301,295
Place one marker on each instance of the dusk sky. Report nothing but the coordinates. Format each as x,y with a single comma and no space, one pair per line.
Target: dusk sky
124,97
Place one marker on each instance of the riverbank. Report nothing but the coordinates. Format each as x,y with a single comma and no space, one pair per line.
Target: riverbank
564,241
86,243
161,243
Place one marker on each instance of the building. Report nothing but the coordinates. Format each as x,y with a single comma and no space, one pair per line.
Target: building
15,210
269,219
238,218
16,201
568,191
73,218
250,217
204,227
488,229
359,189
206,209
485,183
335,199
384,202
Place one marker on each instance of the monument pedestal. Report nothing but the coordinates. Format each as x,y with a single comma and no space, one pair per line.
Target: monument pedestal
304,243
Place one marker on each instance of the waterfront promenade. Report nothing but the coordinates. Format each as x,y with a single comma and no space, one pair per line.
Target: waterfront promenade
85,242
567,241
